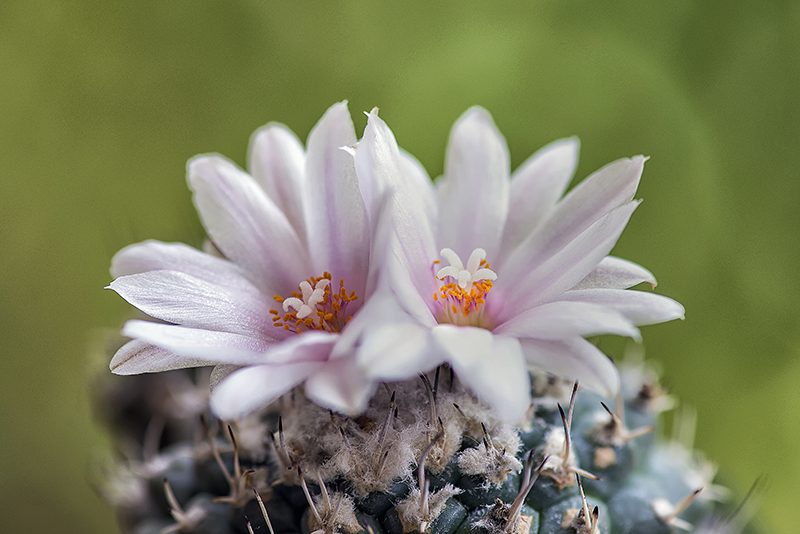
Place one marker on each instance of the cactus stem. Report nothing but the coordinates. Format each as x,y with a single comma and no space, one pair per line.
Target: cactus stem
264,511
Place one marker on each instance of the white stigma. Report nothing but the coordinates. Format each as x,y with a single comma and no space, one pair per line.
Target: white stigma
465,277
311,297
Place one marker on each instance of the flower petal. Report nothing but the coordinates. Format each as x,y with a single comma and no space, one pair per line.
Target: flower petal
491,366
573,359
473,195
394,352
565,269
254,387
336,218
180,298
195,344
559,320
156,256
412,240
640,307
609,188
136,357
246,225
536,187
616,273
276,161
339,385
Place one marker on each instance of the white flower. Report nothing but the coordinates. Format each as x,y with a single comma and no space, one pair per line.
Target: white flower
538,278
294,239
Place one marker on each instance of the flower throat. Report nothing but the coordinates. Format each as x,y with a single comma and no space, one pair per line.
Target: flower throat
462,299
314,306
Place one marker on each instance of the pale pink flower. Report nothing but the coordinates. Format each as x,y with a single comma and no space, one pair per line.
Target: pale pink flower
295,227
497,275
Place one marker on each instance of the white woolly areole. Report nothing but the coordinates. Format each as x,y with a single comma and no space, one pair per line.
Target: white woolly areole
494,462
339,514
410,509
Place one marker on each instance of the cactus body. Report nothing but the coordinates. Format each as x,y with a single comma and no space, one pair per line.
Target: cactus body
422,458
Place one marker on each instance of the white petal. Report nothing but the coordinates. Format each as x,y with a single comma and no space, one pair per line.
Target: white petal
136,357
536,187
194,344
616,273
394,352
246,225
641,307
609,188
559,320
566,268
491,366
183,299
573,359
473,197
276,161
157,256
339,385
306,347
380,164
254,387
336,218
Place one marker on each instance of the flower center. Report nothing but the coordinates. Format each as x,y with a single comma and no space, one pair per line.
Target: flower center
314,306
463,297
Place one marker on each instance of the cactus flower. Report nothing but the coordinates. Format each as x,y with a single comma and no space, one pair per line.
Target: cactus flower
288,267
497,274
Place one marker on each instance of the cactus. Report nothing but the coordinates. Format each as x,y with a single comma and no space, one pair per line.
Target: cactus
424,456
406,398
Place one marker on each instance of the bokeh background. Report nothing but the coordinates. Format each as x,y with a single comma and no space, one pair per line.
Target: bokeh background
101,104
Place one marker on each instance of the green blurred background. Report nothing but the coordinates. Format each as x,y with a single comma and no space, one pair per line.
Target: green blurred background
101,104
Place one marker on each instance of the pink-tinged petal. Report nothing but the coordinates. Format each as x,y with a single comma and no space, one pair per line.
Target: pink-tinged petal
640,307
559,320
158,256
417,175
336,218
254,387
276,161
536,187
183,299
616,273
307,347
573,359
491,366
247,226
340,386
194,344
566,268
137,357
473,195
412,241
398,351
609,188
